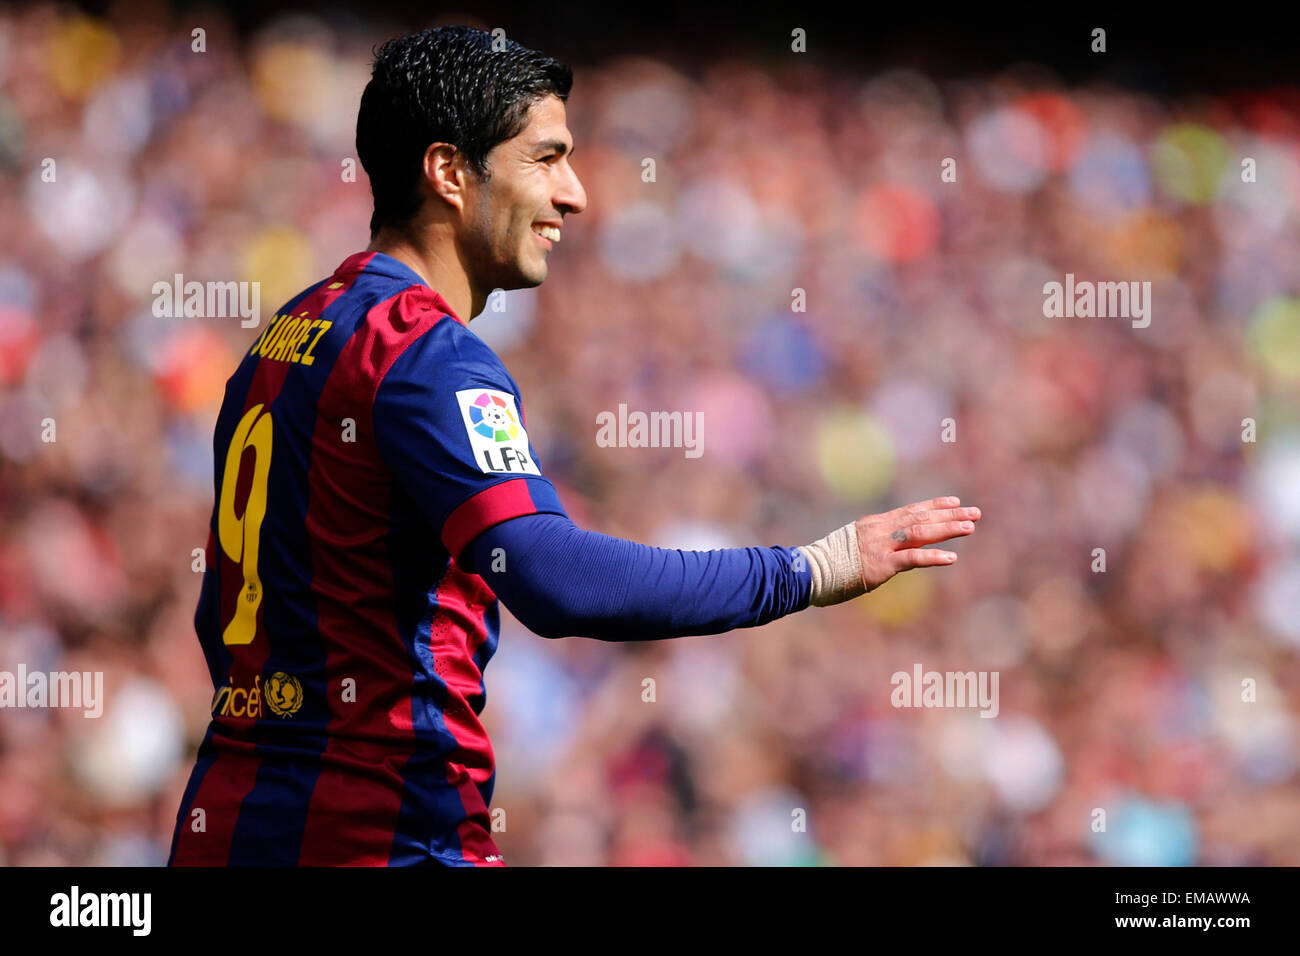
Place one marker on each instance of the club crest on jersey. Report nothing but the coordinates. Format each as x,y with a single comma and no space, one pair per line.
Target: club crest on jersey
496,432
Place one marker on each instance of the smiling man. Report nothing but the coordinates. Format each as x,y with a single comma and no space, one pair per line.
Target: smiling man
376,492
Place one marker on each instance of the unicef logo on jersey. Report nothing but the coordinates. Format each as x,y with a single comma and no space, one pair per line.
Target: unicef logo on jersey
492,418
496,432
283,693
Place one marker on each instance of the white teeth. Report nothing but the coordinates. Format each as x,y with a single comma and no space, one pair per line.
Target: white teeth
548,232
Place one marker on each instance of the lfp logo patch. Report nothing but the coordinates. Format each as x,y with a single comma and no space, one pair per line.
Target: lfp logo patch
496,432
493,417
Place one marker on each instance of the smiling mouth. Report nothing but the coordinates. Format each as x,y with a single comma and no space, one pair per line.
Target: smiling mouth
550,233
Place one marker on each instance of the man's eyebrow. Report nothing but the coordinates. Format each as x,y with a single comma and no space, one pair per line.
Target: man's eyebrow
554,145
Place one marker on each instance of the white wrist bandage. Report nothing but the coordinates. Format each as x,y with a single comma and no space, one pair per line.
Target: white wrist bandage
836,567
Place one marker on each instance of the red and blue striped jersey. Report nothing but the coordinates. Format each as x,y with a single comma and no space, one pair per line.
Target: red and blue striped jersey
364,441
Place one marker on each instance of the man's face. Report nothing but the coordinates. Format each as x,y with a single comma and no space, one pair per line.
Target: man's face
530,186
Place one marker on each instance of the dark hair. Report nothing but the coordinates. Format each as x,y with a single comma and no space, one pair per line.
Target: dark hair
444,85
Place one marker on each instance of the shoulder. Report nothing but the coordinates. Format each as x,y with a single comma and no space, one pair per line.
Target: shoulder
407,334
439,347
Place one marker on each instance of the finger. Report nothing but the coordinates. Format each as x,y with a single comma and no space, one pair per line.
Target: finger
920,507
921,558
917,535
943,514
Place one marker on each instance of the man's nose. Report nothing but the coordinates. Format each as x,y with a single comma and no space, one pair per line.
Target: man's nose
571,194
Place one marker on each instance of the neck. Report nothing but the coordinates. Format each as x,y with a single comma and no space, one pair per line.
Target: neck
438,265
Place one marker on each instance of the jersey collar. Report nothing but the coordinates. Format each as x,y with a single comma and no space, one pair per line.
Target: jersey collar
378,263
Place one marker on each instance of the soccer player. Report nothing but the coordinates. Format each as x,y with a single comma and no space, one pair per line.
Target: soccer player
376,492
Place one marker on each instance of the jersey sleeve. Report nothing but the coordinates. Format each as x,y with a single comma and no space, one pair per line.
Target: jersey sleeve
563,581
449,422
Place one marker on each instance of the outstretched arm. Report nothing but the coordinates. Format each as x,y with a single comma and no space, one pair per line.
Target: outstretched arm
560,580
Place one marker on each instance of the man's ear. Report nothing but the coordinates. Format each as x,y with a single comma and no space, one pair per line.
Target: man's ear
445,173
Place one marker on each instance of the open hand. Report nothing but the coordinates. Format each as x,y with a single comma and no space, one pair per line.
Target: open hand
896,540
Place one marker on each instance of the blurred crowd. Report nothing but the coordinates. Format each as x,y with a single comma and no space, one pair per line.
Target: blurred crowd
858,329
